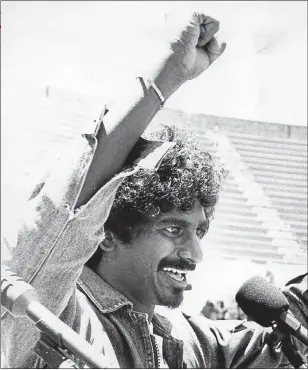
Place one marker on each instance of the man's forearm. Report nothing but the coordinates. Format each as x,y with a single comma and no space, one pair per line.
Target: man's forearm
123,125
185,56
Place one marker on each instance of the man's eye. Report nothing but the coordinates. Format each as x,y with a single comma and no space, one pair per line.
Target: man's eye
200,232
174,230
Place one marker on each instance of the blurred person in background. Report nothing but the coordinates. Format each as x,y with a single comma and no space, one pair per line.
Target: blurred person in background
269,276
117,227
221,310
234,312
209,310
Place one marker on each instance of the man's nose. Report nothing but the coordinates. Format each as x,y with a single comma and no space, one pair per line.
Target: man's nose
192,251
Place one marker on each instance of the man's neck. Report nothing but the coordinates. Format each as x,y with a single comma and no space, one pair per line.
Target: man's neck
106,274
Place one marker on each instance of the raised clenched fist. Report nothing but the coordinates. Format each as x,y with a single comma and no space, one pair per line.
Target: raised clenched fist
191,37
192,48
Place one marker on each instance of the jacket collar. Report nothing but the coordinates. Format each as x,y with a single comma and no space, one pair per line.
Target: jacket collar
101,294
107,299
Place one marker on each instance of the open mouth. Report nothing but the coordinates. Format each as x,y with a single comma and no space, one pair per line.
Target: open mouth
176,276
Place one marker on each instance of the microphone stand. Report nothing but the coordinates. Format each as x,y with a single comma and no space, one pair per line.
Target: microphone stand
21,299
294,356
278,339
55,356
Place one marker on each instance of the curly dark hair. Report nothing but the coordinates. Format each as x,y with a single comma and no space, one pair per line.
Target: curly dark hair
187,174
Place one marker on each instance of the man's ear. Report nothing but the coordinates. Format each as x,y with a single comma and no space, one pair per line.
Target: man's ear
109,243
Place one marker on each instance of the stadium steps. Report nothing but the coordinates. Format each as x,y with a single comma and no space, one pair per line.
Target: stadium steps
280,166
246,149
238,227
297,212
287,187
231,210
278,170
280,179
300,222
255,255
234,219
291,207
241,234
278,163
261,156
254,142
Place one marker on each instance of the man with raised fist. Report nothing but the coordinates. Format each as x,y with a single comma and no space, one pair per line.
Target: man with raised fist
115,230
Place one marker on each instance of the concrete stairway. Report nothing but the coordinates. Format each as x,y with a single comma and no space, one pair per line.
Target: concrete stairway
280,166
262,211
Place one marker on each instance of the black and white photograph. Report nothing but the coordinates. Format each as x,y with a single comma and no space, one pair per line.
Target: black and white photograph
154,184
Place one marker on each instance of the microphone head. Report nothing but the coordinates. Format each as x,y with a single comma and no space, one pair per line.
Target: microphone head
261,301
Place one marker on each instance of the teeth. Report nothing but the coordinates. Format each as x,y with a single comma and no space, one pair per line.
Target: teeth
175,271
178,275
182,271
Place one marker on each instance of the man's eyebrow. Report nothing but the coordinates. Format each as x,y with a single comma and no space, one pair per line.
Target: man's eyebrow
181,222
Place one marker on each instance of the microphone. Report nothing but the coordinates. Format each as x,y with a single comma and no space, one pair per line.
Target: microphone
267,305
21,299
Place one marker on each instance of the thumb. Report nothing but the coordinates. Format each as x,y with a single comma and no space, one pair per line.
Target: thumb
214,49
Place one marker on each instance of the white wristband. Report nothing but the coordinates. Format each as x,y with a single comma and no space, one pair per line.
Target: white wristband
156,89
158,92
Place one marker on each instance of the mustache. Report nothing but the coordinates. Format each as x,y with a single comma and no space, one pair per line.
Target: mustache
179,263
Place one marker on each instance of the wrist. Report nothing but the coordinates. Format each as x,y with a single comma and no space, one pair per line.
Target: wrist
151,90
167,76
150,87
166,84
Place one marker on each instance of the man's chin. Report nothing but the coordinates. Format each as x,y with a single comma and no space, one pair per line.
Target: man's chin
172,301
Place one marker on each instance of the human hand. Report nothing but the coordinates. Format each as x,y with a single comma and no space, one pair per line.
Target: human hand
192,40
192,48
